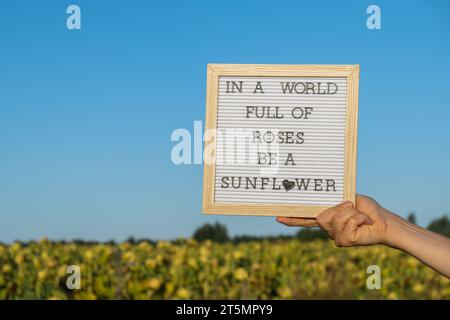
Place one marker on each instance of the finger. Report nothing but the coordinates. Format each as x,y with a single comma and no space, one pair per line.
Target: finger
340,219
298,222
325,218
349,236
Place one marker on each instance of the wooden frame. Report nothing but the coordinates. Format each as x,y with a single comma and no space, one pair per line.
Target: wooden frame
351,72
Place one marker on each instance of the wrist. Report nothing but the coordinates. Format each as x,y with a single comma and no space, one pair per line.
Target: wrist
398,231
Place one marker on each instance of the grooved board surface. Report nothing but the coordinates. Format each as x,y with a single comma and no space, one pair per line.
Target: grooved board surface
245,115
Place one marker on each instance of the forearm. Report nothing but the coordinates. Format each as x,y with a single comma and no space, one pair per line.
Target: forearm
429,247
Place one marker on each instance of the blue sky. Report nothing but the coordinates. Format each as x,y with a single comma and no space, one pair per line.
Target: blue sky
86,115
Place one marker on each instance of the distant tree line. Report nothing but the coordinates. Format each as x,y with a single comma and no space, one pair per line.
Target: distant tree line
218,232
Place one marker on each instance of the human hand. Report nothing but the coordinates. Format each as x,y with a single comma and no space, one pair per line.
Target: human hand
366,224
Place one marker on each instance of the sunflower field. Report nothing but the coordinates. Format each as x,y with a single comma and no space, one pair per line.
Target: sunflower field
186,269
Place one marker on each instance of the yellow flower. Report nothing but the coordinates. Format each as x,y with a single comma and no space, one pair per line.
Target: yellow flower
162,244
44,256
154,283
129,256
41,275
204,251
434,294
208,243
36,263
223,272
183,293
192,242
285,293
323,284
88,296
6,268
89,255
150,263
144,245
392,296
240,274
159,258
256,266
51,263
15,247
19,258
412,262
61,272
192,263
417,288
256,246
444,281
238,255
169,288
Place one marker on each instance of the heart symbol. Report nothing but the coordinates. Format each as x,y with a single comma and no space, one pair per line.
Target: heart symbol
288,185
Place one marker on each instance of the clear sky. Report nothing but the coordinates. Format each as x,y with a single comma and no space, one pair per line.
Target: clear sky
86,115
